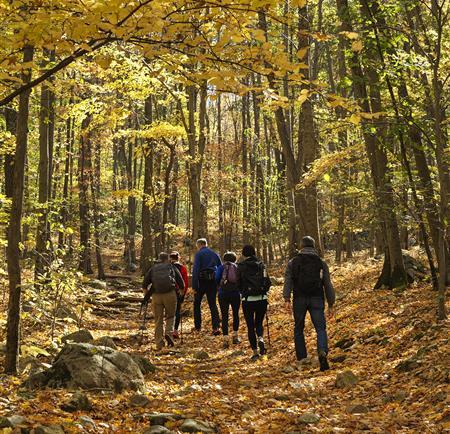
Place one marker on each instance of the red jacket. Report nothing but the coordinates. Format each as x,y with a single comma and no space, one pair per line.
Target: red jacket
184,274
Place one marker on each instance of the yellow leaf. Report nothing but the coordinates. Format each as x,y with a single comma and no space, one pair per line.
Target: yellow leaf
298,3
302,52
355,119
357,45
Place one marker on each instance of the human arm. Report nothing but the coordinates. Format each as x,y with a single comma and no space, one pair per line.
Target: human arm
184,275
330,293
288,286
147,281
219,272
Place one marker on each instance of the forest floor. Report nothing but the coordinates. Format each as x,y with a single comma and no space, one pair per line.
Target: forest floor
389,340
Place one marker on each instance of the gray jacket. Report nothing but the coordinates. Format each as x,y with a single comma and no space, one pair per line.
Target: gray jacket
327,285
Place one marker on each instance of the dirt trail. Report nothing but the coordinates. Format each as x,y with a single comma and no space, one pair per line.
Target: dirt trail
372,333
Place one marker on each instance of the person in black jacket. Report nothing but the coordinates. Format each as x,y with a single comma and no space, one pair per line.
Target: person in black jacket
307,276
254,285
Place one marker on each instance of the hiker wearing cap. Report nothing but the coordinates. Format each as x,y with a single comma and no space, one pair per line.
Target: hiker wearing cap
254,285
229,295
307,277
165,280
175,259
204,283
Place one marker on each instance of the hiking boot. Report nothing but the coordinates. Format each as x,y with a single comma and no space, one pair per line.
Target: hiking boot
226,344
236,340
170,341
262,348
175,334
324,366
254,358
216,332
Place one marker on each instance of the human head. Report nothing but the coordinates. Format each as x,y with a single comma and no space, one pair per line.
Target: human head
229,257
164,257
174,256
308,242
201,242
248,251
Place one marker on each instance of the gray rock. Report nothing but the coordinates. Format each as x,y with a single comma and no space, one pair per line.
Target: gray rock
338,359
139,400
78,402
157,429
357,409
86,422
309,418
144,364
346,379
13,421
407,365
288,369
344,343
97,284
201,355
27,306
79,336
192,425
65,312
49,429
85,366
105,341
162,418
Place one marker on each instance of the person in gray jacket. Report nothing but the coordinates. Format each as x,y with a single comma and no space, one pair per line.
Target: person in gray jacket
307,277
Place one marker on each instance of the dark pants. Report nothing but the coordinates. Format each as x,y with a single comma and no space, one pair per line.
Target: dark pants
254,313
227,299
180,299
208,287
316,308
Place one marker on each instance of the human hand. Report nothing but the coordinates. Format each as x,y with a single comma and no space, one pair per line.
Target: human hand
288,306
330,313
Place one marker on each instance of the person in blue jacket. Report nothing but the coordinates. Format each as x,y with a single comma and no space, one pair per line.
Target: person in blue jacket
229,295
204,283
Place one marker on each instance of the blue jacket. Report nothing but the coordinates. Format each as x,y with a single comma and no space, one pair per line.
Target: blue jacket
205,259
219,272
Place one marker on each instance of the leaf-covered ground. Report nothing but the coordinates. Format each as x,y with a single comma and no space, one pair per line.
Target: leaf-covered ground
391,341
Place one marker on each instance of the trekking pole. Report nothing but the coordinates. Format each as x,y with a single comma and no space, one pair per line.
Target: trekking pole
181,326
268,329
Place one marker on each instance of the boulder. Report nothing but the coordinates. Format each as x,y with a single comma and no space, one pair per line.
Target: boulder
48,429
85,366
79,336
12,421
63,312
162,418
86,422
97,284
357,409
158,429
144,364
201,355
105,341
346,379
196,426
309,418
78,402
138,400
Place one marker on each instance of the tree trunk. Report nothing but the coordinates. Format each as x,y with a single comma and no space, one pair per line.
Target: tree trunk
15,222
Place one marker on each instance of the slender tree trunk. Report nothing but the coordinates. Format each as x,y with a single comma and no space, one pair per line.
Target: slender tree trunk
15,223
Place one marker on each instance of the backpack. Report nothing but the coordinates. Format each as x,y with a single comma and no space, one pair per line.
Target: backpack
229,279
163,278
254,278
307,273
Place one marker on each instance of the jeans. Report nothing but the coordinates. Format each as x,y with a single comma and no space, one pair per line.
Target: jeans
208,287
180,299
254,313
164,306
227,299
316,308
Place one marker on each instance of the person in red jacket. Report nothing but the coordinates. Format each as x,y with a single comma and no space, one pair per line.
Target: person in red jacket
175,259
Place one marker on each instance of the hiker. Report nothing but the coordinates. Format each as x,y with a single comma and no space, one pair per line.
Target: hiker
229,295
254,285
206,262
307,276
175,260
164,279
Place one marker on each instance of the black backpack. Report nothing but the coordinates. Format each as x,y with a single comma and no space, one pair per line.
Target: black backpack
254,280
163,278
307,271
